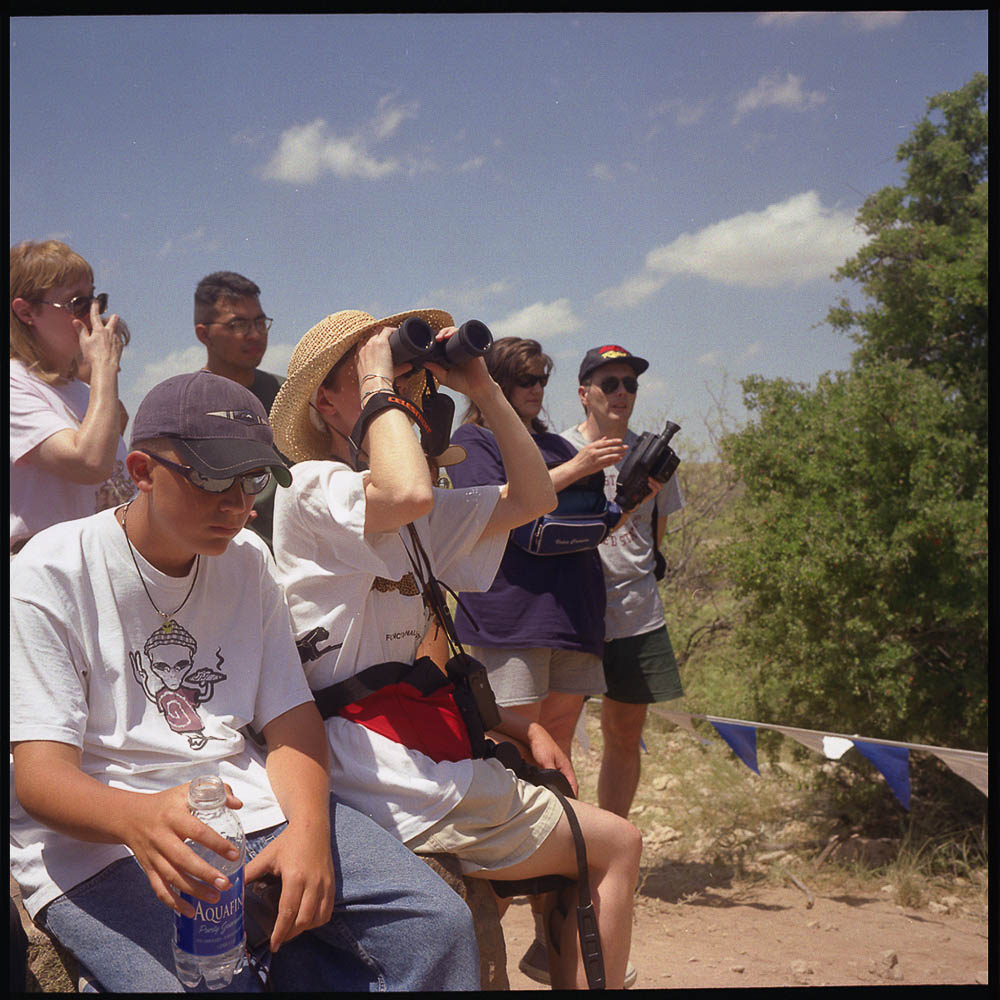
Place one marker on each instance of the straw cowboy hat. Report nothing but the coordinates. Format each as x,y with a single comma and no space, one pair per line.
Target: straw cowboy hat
296,433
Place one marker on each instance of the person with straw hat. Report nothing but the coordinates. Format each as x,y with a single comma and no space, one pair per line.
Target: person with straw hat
360,539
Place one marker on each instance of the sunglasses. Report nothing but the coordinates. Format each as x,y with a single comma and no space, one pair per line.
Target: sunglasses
252,482
79,305
527,381
610,384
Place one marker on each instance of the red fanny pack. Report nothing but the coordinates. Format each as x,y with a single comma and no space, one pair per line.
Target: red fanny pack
409,703
431,723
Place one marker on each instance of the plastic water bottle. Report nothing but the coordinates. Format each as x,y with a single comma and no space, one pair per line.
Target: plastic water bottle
212,943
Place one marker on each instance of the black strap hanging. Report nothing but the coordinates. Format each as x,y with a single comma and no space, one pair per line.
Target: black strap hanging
464,672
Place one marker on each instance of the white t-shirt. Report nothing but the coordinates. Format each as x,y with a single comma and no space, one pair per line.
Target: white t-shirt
634,605
39,498
356,588
150,707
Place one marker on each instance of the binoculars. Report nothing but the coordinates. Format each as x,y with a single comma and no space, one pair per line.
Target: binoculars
413,341
651,456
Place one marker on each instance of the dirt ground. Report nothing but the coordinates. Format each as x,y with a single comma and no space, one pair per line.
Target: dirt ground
726,936
697,924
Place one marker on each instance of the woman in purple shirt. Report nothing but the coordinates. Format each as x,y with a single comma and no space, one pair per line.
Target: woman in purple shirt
541,625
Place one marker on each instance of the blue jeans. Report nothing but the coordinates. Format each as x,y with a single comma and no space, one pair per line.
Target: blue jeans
396,925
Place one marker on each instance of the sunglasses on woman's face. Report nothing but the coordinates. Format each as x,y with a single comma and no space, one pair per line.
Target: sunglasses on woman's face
527,381
610,384
79,305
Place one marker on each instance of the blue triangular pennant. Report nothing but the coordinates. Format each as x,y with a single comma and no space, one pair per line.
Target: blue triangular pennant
894,763
743,740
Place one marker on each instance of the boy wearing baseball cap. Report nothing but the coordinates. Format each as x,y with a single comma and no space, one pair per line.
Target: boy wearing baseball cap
145,640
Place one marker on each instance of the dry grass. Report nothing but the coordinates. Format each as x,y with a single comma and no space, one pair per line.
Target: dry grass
708,819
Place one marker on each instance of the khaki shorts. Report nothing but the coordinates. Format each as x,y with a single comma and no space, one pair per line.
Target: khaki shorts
500,821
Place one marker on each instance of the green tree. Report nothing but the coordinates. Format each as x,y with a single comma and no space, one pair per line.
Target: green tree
860,554
925,267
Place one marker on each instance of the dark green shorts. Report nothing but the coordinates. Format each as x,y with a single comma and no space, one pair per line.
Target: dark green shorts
641,669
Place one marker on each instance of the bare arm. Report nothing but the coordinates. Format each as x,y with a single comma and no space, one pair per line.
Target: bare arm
399,487
528,492
536,738
86,455
53,790
590,458
297,763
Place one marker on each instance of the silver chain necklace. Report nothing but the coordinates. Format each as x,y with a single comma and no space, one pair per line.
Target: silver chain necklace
168,618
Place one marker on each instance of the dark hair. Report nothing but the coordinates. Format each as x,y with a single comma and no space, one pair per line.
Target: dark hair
507,358
220,285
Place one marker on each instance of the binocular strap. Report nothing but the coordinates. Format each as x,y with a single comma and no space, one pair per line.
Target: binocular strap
377,402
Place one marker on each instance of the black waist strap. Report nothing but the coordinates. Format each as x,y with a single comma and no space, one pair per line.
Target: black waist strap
423,674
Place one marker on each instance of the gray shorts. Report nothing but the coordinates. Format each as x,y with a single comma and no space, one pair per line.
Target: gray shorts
524,676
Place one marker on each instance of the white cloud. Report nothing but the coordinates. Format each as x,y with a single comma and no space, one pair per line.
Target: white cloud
788,243
389,116
190,359
183,242
874,20
751,351
710,359
471,164
542,319
306,152
771,91
465,297
602,172
864,20
683,112
784,18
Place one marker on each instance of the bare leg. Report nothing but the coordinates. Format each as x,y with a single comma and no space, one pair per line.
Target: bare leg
559,714
614,848
621,727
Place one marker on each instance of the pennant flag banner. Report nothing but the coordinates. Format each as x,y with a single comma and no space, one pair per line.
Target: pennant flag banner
892,759
894,763
742,739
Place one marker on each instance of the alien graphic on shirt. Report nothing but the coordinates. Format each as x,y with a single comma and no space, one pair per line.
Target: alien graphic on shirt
176,688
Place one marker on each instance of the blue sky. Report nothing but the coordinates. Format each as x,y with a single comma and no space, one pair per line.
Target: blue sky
681,184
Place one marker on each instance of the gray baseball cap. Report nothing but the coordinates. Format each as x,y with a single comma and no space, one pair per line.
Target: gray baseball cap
218,426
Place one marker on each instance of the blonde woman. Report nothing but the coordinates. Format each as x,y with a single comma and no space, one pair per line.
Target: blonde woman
67,456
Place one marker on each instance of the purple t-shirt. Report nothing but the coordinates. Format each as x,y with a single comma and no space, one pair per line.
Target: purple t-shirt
552,601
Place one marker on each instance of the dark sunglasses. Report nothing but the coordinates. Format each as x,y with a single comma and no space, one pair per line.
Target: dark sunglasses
527,381
610,384
79,305
252,482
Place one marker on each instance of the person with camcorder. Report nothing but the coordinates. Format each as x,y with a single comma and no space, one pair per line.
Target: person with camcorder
639,662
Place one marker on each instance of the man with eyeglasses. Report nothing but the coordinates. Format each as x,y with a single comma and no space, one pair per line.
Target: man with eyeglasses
639,662
229,321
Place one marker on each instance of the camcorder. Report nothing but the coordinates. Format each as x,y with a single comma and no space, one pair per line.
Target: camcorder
651,457
413,341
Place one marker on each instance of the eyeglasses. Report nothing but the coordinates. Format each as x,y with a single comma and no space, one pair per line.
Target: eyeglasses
79,305
610,384
527,381
241,327
252,482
